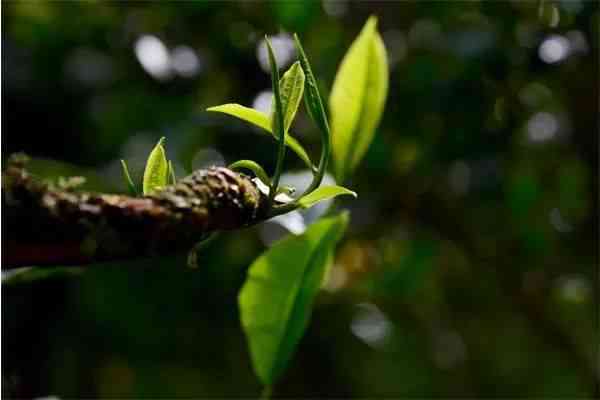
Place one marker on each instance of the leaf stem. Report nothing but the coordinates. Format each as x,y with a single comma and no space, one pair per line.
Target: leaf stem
283,209
278,125
325,152
266,392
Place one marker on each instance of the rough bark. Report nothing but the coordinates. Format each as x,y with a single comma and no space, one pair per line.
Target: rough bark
45,224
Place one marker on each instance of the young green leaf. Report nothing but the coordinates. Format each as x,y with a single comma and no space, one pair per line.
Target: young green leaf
157,169
172,177
130,185
277,120
262,120
314,105
312,98
324,193
247,114
291,87
276,299
254,167
357,99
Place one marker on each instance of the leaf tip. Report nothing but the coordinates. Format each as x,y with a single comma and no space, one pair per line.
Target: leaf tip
371,23
268,44
298,45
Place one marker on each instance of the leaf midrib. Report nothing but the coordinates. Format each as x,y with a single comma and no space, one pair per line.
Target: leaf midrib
295,292
347,165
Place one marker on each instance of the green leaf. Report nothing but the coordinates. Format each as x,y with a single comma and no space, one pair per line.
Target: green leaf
254,167
277,120
130,185
276,299
312,97
324,193
358,98
157,169
172,177
291,87
314,105
262,120
247,114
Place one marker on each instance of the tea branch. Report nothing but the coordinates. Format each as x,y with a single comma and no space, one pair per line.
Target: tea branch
49,224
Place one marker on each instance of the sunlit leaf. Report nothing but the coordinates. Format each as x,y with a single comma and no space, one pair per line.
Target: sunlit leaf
157,169
358,98
261,120
276,299
324,193
291,87
247,114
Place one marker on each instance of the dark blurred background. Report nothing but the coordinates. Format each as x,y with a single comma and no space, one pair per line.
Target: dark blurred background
470,265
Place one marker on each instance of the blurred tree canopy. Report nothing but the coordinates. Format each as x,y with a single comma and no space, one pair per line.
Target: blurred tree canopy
470,266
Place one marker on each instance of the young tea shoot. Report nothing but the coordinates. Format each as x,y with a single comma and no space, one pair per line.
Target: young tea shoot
276,300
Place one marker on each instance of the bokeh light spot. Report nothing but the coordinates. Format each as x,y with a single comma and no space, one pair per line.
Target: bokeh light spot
335,8
153,56
262,101
371,325
207,157
558,221
542,127
185,61
573,289
554,48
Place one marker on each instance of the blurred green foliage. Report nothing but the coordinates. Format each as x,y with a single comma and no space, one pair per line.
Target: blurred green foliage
470,264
